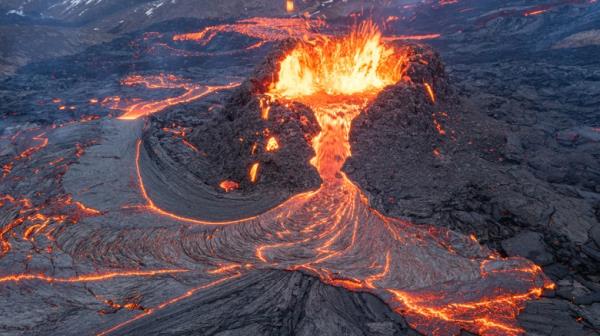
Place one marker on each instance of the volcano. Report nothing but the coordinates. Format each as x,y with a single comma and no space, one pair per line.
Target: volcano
332,170
307,95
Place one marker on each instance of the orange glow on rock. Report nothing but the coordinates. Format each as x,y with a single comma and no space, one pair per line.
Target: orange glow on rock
265,29
87,277
264,107
330,232
229,185
535,12
253,172
139,109
150,205
169,302
324,72
430,92
272,145
289,6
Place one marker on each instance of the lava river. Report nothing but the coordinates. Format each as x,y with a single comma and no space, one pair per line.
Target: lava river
441,281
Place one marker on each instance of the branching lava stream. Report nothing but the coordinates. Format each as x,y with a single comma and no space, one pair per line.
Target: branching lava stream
441,281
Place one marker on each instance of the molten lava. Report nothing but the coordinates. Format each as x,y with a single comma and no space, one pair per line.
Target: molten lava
272,145
162,81
337,78
253,172
439,280
289,6
264,29
357,64
228,185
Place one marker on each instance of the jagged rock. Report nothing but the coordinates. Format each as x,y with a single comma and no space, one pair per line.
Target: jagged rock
551,317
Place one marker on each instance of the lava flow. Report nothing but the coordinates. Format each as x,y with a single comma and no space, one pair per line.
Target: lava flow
136,110
441,281
337,78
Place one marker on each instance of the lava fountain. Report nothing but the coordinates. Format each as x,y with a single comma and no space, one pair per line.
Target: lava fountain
441,281
337,78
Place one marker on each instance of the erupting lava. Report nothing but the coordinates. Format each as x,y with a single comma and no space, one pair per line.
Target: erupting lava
336,78
439,280
357,64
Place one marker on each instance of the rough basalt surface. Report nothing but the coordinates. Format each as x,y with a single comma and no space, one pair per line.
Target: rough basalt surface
446,163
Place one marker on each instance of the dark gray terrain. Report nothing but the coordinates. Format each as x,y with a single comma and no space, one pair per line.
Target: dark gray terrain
517,164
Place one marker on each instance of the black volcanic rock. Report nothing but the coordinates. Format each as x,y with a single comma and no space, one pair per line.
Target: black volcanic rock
224,137
235,136
447,164
450,164
238,136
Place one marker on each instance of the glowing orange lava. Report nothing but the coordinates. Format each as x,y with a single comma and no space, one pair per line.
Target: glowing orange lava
192,92
88,277
264,29
253,172
272,145
439,280
430,92
169,302
357,64
229,185
289,6
337,78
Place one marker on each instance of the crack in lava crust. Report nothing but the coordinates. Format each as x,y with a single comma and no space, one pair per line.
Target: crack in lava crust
439,280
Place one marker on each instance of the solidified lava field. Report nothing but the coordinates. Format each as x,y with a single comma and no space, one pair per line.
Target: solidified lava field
300,167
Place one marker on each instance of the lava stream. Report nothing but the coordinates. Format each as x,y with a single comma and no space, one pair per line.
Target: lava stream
136,110
88,277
